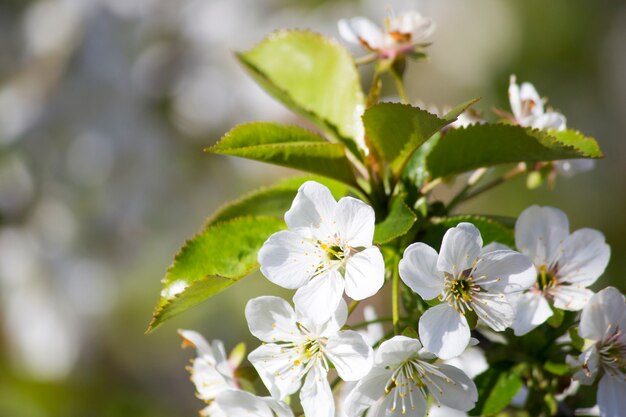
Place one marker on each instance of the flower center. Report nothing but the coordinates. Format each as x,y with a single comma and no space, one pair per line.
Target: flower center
528,106
412,375
546,278
613,354
459,291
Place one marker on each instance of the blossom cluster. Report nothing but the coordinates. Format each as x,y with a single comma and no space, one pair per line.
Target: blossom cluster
467,291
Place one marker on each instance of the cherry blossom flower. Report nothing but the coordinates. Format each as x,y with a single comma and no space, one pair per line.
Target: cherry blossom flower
298,349
465,280
401,34
566,265
603,321
403,377
212,372
326,250
528,110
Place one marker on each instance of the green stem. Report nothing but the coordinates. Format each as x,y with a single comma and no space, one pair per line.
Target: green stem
519,169
353,305
367,59
397,78
395,300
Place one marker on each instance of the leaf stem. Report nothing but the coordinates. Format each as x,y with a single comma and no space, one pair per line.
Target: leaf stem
397,78
353,305
366,59
519,169
395,300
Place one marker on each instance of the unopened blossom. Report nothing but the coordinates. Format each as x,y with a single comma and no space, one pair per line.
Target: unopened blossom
236,403
400,35
327,249
567,263
212,372
297,349
403,377
465,279
528,111
603,322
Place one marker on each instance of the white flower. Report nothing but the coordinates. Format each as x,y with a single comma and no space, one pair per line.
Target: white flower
296,348
566,264
465,279
402,378
211,371
603,321
241,403
400,35
528,111
327,249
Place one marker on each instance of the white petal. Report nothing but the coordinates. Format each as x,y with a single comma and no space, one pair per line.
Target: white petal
278,369
443,411
313,207
332,325
504,271
355,222
242,403
351,355
418,270
316,396
586,365
570,297
472,361
605,310
367,391
458,391
539,233
318,299
515,99
358,30
529,93
493,246
209,382
196,340
585,257
570,167
375,331
272,319
459,249
495,312
444,331
397,350
288,259
612,396
531,310
365,273
550,120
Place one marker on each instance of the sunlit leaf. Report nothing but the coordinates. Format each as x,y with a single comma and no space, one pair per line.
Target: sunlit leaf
314,76
212,261
288,146
397,223
483,145
496,388
491,230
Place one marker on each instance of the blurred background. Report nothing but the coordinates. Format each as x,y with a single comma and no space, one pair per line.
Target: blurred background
105,107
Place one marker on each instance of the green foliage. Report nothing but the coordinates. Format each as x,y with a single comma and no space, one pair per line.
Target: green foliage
476,146
289,146
490,229
557,317
398,222
273,201
312,75
559,369
496,388
397,130
212,261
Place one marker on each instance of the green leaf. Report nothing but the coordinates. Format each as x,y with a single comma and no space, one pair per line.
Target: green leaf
490,229
314,76
273,201
410,332
559,369
482,145
577,341
397,130
556,319
288,146
496,388
212,261
398,222
579,141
